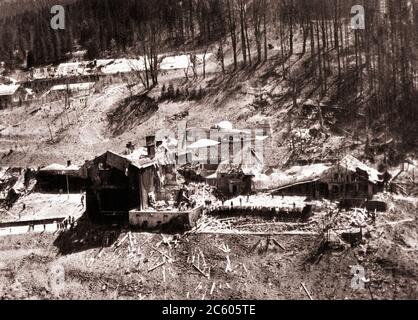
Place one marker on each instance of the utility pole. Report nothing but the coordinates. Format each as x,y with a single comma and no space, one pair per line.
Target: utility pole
68,187
49,128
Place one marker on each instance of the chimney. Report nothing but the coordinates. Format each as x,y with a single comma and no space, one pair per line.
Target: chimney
150,145
241,159
231,148
150,140
219,150
68,163
130,147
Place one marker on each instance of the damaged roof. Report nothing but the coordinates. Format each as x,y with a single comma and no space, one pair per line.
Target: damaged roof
299,174
59,169
8,90
136,159
352,164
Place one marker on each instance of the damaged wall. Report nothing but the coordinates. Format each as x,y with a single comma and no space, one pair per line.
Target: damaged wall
174,220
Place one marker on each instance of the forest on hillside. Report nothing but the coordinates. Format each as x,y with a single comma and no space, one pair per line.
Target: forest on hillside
380,61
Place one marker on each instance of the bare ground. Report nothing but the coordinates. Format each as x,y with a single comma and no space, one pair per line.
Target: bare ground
103,263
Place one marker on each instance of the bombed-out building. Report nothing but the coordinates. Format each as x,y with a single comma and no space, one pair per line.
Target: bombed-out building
234,175
351,178
348,178
57,178
119,183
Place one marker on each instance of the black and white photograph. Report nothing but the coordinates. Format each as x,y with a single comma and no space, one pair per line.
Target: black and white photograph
208,150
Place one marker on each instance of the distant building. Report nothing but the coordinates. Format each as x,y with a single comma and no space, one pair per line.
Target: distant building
74,89
42,72
57,177
351,178
234,176
383,7
69,69
12,95
78,56
348,178
220,142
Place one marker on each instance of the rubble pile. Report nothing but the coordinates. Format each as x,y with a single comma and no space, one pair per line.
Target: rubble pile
14,183
211,224
201,193
353,218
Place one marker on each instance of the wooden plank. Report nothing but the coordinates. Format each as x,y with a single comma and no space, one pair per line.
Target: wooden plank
306,290
205,275
279,244
157,266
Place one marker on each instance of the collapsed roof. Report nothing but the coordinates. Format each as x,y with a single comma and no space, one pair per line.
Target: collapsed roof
59,169
352,164
306,174
291,177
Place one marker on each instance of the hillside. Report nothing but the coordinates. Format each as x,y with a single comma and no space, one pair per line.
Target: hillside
105,263
292,228
325,88
115,115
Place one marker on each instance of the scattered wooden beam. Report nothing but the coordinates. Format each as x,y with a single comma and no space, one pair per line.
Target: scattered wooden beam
198,269
224,248
157,266
228,265
306,290
163,274
130,240
203,259
213,287
279,244
198,287
287,233
162,253
100,253
122,240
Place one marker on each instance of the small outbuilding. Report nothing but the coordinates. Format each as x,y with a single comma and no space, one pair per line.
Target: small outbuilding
11,95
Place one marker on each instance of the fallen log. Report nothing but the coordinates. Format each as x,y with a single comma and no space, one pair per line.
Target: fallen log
157,266
162,253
